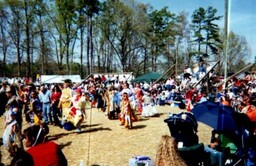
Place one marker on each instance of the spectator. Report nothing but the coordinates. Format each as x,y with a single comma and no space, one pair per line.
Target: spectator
55,99
22,158
12,133
167,153
35,109
45,99
43,153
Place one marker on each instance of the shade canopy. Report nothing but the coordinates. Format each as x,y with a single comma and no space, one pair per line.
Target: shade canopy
149,77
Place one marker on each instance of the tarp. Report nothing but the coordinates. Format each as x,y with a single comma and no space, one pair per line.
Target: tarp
149,77
50,79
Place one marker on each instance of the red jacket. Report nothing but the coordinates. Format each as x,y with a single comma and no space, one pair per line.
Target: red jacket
47,154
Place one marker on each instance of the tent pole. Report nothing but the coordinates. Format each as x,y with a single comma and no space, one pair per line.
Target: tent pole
163,75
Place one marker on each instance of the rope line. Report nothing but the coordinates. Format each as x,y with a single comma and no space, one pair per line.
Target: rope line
89,138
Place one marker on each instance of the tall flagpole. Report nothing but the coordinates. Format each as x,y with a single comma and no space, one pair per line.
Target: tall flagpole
226,45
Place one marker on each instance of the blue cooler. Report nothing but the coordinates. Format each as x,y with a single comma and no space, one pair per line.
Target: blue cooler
216,157
140,161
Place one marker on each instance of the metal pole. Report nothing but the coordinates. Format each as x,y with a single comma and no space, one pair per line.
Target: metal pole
226,45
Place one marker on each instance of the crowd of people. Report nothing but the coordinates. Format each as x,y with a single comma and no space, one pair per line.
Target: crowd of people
63,104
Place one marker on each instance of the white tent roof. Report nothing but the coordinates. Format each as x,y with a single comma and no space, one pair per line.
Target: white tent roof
59,78
126,75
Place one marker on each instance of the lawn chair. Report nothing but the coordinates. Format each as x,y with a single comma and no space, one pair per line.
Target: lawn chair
239,147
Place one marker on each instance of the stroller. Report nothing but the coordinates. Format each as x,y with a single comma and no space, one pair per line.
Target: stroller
183,127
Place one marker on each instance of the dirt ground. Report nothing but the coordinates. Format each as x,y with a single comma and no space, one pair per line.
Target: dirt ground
104,142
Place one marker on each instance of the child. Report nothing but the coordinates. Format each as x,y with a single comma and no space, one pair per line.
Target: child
126,116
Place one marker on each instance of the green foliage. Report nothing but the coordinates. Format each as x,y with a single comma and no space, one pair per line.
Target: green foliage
206,32
110,35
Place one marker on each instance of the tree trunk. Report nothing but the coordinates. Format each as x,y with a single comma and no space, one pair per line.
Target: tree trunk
4,50
42,50
67,53
91,47
18,48
81,51
88,48
28,65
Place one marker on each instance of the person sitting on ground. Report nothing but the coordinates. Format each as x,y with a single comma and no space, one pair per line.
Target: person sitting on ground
43,153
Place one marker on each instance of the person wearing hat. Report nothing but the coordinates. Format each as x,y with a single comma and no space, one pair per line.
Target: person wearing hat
13,121
13,104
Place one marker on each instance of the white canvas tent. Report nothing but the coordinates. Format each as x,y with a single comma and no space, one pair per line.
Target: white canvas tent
49,79
128,76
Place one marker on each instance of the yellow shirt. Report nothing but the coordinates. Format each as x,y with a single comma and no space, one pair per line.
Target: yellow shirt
66,97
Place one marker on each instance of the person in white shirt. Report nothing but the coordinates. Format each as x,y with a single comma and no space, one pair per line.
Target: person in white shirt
169,83
188,70
45,99
146,86
148,108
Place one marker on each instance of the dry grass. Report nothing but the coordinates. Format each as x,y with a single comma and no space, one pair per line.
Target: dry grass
104,143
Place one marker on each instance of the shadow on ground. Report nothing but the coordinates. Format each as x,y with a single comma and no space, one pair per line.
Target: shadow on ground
56,136
89,130
138,126
66,144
